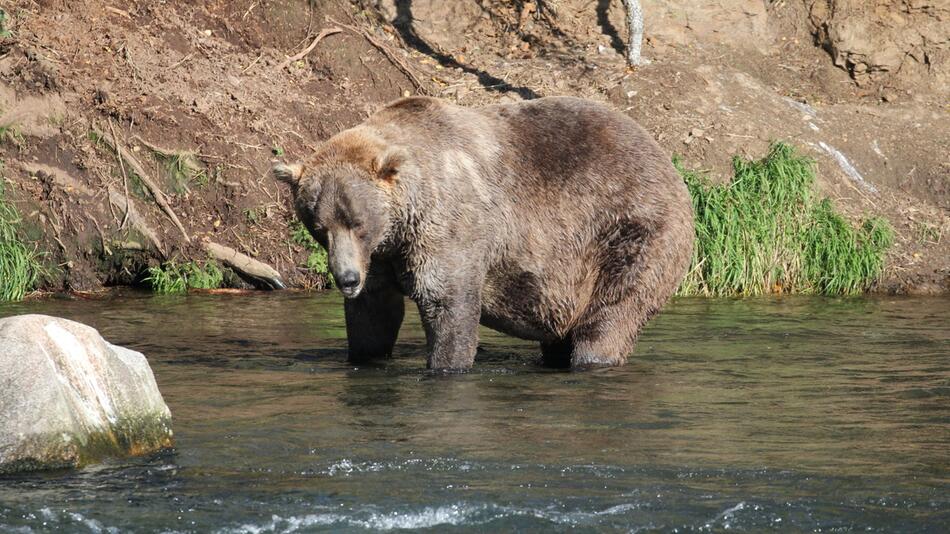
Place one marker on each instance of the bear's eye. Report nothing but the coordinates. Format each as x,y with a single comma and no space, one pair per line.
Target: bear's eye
321,238
361,229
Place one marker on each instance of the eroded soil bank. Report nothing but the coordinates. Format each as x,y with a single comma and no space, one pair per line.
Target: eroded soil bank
199,97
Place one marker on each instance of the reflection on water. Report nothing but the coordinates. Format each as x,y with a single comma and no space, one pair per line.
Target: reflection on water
799,413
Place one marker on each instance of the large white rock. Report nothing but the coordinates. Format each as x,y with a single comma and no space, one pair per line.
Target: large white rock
69,398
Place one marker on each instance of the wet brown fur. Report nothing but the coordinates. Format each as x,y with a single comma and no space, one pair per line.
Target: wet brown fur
557,220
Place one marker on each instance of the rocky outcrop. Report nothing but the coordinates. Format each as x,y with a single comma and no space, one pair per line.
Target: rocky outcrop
892,41
69,398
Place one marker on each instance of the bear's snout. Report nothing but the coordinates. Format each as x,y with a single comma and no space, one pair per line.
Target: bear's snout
349,282
345,255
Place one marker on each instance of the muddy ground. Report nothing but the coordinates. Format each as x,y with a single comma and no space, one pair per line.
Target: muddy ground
201,97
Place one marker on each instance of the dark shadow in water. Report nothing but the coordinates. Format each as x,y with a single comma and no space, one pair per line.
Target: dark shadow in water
356,394
318,355
603,20
404,25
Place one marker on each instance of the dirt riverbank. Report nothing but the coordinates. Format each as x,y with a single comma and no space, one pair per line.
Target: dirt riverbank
202,95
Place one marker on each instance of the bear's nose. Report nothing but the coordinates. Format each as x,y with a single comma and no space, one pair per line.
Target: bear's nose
349,280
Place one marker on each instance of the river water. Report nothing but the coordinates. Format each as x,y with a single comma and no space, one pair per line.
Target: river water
793,414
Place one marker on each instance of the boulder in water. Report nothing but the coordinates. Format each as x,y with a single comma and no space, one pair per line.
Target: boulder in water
69,398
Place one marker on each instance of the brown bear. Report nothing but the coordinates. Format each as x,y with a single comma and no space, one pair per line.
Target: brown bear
557,220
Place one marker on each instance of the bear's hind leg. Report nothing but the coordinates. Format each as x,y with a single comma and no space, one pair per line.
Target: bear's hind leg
372,323
608,335
605,343
641,271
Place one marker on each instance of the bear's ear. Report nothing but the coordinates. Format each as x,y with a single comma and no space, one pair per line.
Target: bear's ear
387,165
289,174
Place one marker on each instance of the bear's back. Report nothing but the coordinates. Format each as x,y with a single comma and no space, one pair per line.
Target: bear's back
578,145
565,150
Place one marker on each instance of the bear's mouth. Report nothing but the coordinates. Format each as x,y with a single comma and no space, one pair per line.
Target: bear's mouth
351,292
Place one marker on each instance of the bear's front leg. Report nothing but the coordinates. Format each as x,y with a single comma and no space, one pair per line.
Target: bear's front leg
372,322
451,325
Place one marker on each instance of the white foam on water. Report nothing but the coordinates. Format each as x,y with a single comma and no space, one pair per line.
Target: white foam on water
63,521
292,524
93,525
726,516
346,467
456,514
580,517
600,471
429,517
426,518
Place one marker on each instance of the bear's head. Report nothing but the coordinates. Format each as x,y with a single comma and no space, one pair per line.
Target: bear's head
345,198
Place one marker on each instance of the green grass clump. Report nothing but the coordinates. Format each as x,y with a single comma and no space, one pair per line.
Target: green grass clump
317,260
11,134
174,277
19,265
4,29
182,168
764,232
255,215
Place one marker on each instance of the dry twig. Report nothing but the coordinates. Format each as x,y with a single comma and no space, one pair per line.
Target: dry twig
316,41
398,62
139,170
125,179
179,63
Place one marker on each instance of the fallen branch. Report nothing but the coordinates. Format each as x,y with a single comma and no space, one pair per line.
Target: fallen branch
125,178
392,57
245,265
326,32
139,170
138,223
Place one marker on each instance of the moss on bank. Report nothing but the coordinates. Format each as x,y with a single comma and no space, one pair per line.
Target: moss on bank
317,263
174,277
19,265
764,232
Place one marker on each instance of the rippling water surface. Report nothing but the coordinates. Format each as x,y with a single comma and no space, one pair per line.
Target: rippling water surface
790,414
